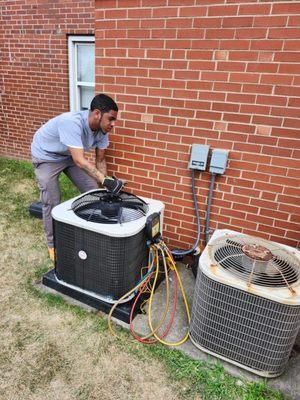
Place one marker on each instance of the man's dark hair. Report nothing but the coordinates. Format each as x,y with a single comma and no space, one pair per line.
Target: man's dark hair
103,103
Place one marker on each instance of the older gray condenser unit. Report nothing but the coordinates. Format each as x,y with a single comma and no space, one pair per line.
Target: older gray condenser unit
246,307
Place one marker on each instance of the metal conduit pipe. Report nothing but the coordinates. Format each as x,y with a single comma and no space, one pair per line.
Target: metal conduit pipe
177,252
209,200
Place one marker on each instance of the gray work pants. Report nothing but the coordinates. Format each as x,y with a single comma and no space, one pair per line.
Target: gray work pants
47,174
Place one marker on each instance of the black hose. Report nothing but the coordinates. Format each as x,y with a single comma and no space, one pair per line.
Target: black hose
178,252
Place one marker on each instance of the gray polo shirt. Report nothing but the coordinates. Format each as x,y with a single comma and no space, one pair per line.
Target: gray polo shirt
71,129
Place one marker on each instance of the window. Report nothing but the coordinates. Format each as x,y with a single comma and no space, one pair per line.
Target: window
81,71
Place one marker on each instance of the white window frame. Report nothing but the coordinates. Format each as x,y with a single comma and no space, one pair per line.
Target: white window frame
74,85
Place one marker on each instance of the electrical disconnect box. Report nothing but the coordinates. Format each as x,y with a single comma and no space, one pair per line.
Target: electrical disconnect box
218,161
199,156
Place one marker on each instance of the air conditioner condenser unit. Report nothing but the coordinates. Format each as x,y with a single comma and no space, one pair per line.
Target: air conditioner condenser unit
100,245
246,306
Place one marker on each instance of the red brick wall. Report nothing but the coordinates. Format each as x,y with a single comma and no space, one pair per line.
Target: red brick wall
34,82
223,73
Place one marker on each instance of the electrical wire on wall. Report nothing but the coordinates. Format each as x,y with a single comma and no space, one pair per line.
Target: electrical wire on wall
147,285
198,162
209,201
180,253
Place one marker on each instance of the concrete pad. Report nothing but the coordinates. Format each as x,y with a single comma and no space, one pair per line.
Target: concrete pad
288,383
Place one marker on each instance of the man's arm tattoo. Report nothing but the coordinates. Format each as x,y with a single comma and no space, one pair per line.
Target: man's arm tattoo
93,172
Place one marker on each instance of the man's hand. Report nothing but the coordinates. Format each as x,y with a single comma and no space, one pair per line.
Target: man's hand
113,185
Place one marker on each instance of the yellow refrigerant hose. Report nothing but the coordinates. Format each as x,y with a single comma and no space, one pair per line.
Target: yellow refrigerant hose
153,269
172,266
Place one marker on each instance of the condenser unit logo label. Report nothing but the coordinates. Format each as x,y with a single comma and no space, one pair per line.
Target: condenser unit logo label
82,255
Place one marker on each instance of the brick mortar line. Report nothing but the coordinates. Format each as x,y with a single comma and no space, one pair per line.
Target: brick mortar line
213,120
200,80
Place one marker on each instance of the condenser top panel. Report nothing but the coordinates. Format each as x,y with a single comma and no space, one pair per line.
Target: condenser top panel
255,265
64,213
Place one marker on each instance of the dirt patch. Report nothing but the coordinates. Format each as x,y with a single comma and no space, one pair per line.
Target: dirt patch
22,187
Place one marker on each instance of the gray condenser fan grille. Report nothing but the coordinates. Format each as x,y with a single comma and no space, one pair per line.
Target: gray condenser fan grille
255,261
103,207
247,329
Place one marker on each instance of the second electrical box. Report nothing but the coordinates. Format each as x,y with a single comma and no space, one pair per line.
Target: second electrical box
218,161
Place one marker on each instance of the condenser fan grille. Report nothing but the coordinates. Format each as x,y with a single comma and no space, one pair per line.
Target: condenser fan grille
254,260
103,207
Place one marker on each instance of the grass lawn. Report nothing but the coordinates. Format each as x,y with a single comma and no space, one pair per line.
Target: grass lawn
52,350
